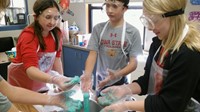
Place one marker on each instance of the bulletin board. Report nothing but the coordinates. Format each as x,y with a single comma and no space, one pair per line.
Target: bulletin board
194,14
195,2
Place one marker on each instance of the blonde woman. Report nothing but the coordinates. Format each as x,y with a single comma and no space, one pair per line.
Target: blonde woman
114,46
172,76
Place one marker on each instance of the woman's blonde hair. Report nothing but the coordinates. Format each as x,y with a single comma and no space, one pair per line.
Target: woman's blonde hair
4,4
177,25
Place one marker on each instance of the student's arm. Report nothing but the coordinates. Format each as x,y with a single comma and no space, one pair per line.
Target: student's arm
86,78
129,68
90,62
57,66
123,72
21,95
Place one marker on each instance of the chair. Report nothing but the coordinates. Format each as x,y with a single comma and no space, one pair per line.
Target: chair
6,44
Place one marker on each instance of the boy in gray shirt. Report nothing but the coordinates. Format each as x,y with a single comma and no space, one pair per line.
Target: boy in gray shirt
115,45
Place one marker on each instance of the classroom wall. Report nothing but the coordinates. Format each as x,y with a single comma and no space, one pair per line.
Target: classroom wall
15,33
80,16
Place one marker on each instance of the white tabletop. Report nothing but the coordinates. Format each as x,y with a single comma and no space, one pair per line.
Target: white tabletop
3,58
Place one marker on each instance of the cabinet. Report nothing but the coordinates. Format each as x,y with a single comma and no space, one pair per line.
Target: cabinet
15,16
74,58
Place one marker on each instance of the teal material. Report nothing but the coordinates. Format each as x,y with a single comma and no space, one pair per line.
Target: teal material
70,93
86,102
107,99
72,105
74,80
108,111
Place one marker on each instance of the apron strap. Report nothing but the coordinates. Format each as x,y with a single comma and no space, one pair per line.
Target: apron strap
122,38
104,28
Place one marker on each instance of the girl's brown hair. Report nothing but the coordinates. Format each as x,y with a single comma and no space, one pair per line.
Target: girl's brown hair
38,8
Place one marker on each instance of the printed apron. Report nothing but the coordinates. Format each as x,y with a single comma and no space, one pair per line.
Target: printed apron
18,76
102,65
156,78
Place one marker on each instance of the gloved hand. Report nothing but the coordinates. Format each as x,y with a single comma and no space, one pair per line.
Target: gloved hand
112,78
62,82
63,100
113,94
117,107
86,82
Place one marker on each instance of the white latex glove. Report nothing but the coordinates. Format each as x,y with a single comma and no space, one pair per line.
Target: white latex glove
62,82
114,94
86,82
117,107
64,101
112,78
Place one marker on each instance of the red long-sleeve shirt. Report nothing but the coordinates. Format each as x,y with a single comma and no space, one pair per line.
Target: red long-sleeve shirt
27,48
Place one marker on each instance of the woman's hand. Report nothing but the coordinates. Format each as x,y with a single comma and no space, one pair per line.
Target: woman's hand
112,77
86,82
117,107
113,94
63,100
62,82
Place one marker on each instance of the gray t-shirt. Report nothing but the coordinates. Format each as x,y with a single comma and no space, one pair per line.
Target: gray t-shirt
5,104
108,47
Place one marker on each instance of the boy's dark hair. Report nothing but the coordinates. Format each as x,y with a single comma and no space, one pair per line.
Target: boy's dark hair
126,2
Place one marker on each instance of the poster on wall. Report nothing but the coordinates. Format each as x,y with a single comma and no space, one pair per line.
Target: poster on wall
194,16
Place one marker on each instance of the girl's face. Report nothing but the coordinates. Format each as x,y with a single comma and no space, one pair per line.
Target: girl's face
162,28
156,23
49,18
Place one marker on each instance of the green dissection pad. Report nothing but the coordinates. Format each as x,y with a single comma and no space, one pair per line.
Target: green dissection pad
70,93
75,80
107,99
72,105
86,102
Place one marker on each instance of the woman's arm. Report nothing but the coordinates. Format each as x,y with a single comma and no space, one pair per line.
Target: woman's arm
35,74
20,95
57,66
129,68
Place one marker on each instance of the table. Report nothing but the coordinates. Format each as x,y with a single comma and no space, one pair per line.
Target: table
3,58
25,107
4,62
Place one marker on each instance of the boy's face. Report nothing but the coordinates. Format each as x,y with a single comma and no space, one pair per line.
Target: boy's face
114,9
112,6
